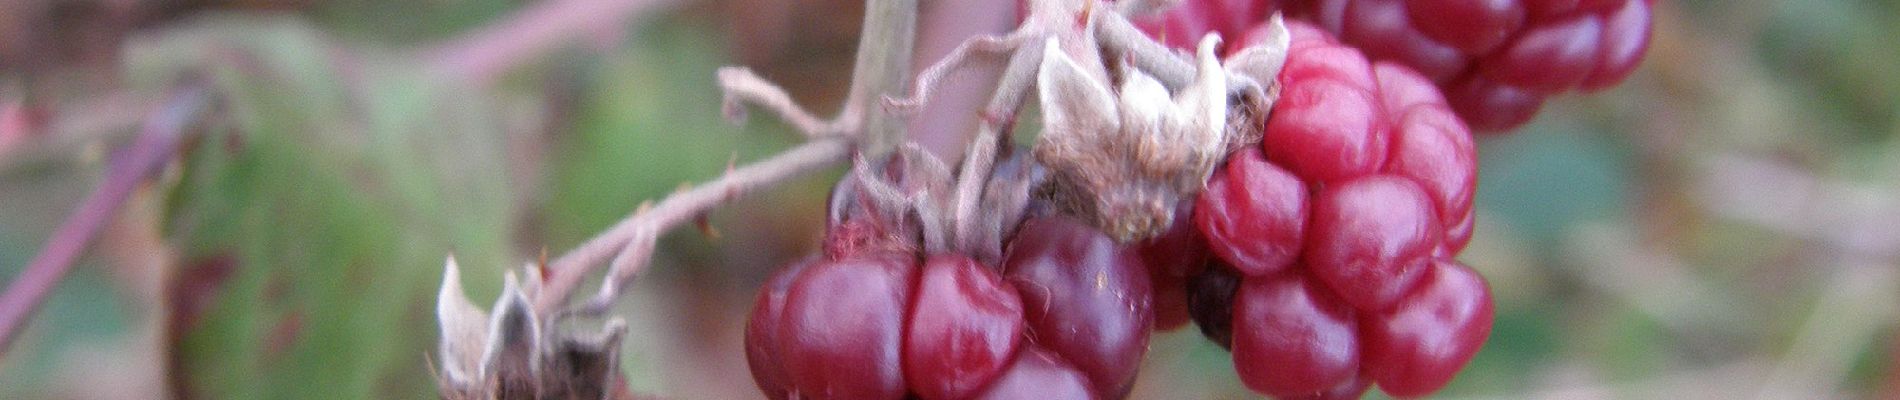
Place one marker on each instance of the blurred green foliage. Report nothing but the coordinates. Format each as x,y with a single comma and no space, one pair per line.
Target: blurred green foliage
341,173
337,205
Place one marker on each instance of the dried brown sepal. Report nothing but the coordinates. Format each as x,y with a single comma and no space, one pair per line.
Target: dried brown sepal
514,354
1126,157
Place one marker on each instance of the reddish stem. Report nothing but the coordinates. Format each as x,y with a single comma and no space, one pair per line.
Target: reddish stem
481,56
158,139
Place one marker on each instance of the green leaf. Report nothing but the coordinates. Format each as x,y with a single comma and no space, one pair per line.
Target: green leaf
339,184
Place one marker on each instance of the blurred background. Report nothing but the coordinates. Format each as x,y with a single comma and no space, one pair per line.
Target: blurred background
1725,224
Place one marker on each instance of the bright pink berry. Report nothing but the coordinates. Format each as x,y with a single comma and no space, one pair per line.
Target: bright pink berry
1253,214
1086,298
1458,234
1419,345
965,324
842,324
1290,339
1430,144
1370,238
1325,129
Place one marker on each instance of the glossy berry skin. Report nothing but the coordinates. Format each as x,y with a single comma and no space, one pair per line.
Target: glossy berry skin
1420,138
842,325
1291,339
1085,297
965,325
1625,39
1491,106
1419,345
1383,29
1547,57
1432,147
1472,26
1496,59
1328,124
1371,239
761,332
1253,214
1039,374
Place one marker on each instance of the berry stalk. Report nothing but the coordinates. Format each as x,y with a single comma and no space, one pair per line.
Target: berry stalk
162,135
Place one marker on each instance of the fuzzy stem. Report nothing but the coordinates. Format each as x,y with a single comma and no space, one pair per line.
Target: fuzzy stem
1119,35
159,138
567,271
944,125
882,69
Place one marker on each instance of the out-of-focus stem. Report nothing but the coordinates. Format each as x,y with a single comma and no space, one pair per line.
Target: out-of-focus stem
567,271
882,69
483,55
160,137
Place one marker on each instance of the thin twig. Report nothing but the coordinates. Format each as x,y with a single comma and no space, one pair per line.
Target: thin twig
566,272
883,65
742,87
159,138
985,45
483,55
944,125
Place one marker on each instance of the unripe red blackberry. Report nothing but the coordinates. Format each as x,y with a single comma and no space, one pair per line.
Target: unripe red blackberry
1364,181
1417,346
1496,59
1253,214
1086,297
843,321
761,331
1039,374
1291,338
965,324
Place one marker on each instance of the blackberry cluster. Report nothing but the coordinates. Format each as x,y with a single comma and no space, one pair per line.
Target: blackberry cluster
1062,313
1324,258
1333,243
1495,60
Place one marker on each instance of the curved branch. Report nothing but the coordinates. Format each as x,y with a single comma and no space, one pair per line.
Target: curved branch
161,136
639,229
